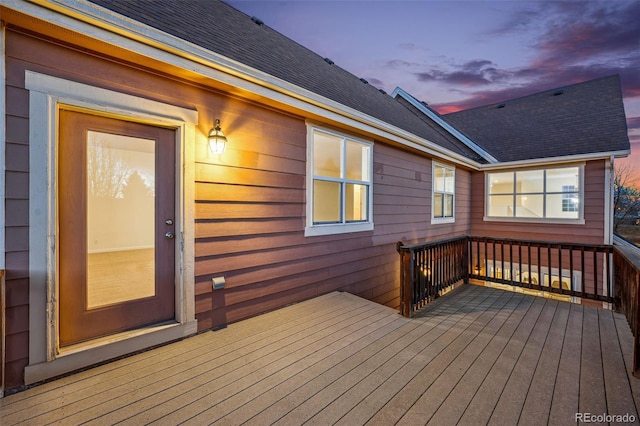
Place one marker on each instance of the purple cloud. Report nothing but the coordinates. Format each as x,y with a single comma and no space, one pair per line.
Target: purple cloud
478,72
583,31
633,124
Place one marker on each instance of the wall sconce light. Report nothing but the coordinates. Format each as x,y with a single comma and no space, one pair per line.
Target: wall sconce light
217,139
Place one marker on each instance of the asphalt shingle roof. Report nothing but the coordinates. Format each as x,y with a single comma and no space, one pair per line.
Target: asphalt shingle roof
220,28
582,118
586,118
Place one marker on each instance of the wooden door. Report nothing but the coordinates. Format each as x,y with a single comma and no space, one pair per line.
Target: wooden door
116,207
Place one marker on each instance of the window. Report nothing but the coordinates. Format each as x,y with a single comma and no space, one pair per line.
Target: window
536,194
339,190
569,198
444,185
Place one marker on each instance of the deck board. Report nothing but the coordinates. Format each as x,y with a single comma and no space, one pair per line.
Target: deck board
482,405
454,406
367,406
538,400
626,346
476,356
566,393
592,389
509,406
455,361
424,369
617,389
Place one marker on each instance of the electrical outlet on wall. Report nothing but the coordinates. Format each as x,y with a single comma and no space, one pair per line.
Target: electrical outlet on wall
218,283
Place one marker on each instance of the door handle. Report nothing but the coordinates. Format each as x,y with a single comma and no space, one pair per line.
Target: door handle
169,235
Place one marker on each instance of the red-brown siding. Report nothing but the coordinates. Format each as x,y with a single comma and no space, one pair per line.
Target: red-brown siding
249,205
250,201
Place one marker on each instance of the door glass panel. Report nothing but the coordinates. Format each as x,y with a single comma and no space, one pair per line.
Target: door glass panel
120,224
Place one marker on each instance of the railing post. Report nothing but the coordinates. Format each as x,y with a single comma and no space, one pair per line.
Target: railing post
467,260
406,278
427,269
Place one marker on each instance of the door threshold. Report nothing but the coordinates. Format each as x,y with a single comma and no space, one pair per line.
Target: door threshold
86,354
113,338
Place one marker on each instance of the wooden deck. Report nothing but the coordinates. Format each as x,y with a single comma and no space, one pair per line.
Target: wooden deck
476,356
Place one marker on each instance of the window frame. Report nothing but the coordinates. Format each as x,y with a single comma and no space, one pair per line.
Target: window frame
547,220
442,219
343,227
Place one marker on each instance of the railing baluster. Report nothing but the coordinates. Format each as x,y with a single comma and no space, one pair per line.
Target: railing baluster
429,269
571,271
583,277
549,264
529,272
560,286
609,272
495,265
479,268
486,257
539,268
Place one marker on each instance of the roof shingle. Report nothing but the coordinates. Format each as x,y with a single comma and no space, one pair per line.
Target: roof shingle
583,118
220,28
586,118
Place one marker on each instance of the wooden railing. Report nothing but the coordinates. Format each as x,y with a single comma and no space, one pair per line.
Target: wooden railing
577,270
626,260
598,272
427,270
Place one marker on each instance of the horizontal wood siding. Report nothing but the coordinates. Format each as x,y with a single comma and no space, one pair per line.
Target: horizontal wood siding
16,233
402,198
402,208
591,232
249,201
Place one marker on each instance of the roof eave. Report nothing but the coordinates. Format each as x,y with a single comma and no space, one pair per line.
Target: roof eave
98,22
537,162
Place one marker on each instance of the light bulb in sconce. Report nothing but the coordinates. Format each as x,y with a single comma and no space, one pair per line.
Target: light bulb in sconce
217,139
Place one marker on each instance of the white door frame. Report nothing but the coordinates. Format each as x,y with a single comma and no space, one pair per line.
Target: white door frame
46,95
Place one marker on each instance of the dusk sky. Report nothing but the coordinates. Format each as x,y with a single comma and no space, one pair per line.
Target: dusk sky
461,54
